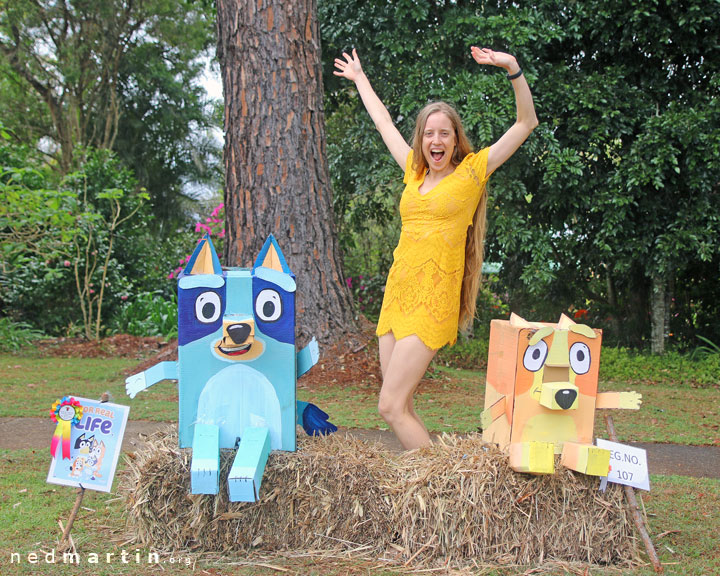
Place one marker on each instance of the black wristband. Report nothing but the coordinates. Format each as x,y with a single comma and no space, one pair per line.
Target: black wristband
516,75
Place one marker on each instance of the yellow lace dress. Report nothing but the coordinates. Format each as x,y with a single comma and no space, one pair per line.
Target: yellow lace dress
422,294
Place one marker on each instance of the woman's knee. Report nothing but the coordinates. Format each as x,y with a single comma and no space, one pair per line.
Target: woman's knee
390,409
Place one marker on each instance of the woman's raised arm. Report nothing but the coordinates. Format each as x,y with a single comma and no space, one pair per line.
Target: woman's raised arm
526,121
351,69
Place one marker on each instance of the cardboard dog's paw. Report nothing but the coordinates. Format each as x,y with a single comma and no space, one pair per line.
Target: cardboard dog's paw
630,400
134,384
485,419
533,457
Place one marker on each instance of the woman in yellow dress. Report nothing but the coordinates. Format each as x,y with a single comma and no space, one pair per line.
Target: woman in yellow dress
433,283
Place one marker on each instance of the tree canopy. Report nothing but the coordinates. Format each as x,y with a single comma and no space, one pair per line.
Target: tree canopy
614,198
611,209
118,75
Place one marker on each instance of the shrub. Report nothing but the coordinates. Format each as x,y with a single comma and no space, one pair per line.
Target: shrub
16,335
469,352
148,314
367,293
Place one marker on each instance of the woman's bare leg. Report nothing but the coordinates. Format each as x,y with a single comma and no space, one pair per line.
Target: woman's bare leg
403,363
386,345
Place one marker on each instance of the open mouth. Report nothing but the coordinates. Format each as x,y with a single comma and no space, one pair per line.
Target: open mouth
234,350
437,155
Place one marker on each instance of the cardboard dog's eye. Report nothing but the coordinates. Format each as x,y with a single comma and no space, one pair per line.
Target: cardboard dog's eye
579,358
535,355
268,305
207,307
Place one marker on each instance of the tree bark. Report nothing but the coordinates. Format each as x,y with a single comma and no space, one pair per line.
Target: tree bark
613,302
657,314
277,179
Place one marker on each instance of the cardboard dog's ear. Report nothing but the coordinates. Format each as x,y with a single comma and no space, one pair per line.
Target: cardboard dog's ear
204,259
271,257
520,322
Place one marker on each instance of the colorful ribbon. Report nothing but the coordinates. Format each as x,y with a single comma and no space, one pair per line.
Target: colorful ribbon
66,413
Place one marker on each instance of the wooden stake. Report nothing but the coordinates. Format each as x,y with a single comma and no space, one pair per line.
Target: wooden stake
64,542
635,509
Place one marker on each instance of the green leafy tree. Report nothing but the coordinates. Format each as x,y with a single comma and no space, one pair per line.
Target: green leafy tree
612,204
59,237
630,90
120,75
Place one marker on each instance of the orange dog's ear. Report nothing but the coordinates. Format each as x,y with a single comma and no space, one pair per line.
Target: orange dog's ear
565,322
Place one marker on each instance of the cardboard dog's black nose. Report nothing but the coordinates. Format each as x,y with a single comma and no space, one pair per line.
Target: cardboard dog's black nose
565,398
239,332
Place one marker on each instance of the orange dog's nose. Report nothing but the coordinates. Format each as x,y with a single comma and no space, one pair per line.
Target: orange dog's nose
565,398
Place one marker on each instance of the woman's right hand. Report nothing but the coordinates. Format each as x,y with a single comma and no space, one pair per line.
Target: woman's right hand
349,68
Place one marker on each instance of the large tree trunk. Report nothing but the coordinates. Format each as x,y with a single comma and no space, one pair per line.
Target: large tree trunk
277,178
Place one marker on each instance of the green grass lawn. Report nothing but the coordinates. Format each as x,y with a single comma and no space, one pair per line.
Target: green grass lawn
683,513
680,412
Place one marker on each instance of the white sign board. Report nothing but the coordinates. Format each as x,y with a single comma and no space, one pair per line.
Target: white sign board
628,465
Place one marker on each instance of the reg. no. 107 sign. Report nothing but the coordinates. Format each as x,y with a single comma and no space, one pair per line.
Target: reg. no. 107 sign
628,465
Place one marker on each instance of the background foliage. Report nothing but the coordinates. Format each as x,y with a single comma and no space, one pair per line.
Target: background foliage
101,105
614,195
610,209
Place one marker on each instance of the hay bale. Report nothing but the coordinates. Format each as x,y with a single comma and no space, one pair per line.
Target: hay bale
456,502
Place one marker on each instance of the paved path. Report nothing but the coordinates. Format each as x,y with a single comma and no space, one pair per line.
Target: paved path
665,459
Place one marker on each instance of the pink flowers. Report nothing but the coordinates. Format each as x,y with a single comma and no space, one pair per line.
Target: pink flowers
214,225
220,208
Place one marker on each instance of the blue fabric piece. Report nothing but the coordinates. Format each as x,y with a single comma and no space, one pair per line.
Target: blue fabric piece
314,420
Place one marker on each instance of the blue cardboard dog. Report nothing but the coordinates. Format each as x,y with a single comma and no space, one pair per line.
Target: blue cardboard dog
237,368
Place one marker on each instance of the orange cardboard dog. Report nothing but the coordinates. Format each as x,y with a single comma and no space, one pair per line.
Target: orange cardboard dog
541,395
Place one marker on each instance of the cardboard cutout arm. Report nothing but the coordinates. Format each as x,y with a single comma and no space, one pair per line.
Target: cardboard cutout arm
621,400
153,375
489,415
307,357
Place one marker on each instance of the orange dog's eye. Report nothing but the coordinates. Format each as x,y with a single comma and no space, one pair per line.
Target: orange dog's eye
579,358
535,355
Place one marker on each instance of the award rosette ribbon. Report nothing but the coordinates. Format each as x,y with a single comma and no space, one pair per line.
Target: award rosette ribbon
66,413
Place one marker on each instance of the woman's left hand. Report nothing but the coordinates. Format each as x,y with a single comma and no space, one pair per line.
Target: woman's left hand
526,121
492,58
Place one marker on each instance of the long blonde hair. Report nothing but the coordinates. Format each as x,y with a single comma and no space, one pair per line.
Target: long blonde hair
475,241
474,254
